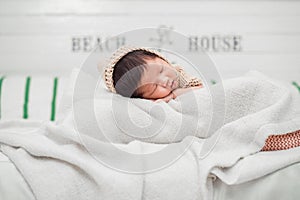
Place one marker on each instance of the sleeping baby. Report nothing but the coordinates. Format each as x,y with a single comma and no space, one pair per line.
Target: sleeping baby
144,73
138,72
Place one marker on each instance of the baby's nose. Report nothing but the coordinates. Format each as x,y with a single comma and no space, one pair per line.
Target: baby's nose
165,82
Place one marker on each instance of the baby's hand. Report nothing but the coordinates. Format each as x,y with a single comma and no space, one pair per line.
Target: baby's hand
175,93
180,91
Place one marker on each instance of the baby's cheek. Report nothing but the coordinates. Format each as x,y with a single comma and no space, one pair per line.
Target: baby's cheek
162,92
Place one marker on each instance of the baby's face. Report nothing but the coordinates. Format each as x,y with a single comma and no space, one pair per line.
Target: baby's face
158,80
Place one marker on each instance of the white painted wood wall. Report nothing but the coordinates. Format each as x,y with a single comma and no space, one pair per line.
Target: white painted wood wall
36,36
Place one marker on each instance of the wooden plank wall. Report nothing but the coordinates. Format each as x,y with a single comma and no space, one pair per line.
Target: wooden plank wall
55,36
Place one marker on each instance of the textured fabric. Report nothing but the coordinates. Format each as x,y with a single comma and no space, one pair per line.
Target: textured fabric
281,183
185,80
282,142
254,109
12,184
273,143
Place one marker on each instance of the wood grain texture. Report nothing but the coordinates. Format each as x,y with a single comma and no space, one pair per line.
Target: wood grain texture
36,36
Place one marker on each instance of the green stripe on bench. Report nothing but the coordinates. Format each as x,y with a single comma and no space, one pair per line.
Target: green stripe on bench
53,103
27,95
296,85
26,98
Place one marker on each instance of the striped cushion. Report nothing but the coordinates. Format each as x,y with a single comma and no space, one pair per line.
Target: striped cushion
282,142
29,97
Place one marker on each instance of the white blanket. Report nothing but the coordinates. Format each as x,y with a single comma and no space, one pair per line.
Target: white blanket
55,164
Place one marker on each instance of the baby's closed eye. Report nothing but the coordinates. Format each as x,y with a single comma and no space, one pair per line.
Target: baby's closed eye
162,69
